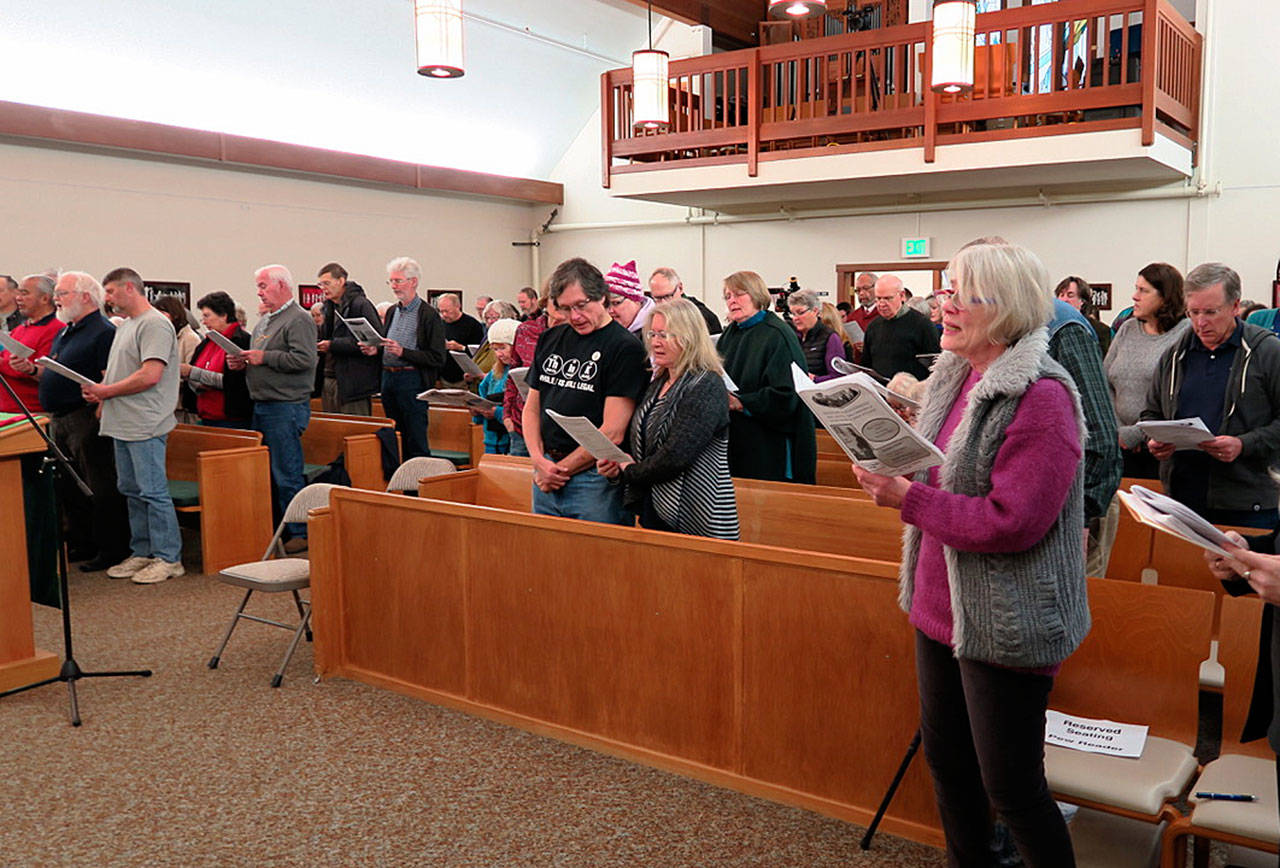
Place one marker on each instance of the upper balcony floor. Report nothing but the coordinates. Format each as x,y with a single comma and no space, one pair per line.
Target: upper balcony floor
1103,93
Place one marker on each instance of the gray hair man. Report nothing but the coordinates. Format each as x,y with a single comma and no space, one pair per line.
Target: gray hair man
10,317
665,284
97,526
461,330
38,326
1226,372
138,394
280,369
412,357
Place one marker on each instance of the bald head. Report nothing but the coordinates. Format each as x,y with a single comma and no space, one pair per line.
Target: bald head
889,296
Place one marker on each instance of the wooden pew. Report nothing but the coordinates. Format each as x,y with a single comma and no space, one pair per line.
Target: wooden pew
784,674
329,435
813,518
453,435
224,475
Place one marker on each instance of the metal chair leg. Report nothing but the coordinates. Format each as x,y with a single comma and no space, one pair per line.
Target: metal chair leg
303,627
297,601
217,655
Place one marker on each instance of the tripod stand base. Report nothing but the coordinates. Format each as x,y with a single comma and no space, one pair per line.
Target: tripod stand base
69,673
41,666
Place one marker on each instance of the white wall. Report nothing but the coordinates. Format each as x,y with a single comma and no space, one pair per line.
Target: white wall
213,226
1106,243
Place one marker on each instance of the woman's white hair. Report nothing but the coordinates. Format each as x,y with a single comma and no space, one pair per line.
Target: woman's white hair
1011,278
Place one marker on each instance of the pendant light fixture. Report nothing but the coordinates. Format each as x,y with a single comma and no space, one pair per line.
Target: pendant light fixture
793,9
438,29
649,84
953,27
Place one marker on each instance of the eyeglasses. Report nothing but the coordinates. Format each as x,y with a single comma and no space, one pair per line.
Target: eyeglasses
580,307
659,335
399,281
950,296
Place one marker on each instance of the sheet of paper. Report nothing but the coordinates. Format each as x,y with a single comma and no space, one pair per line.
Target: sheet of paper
520,376
227,346
464,361
857,416
729,383
589,437
15,346
1094,736
363,330
1168,515
854,332
63,371
888,394
1182,433
457,398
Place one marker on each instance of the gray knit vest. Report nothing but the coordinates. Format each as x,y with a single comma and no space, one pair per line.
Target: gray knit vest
1023,609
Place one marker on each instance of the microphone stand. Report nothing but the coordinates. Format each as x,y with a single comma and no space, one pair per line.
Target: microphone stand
70,673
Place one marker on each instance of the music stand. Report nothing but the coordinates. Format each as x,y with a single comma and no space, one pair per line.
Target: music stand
70,673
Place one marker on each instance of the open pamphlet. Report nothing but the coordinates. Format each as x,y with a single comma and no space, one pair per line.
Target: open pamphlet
854,333
888,394
855,413
63,371
227,346
464,361
729,383
845,367
520,376
364,332
1182,433
1168,515
589,437
457,398
14,346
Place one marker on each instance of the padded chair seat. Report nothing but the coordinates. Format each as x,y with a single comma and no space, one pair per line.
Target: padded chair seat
1142,784
280,574
1104,840
1239,774
450,455
185,494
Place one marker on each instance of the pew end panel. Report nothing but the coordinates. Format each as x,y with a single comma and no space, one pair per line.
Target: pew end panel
235,505
628,641
457,487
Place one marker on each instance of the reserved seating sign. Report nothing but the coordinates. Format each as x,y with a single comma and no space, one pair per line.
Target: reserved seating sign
1094,736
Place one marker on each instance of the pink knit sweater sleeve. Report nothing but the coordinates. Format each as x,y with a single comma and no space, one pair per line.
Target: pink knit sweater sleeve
1030,481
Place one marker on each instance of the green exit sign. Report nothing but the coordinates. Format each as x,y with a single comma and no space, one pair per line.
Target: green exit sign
915,248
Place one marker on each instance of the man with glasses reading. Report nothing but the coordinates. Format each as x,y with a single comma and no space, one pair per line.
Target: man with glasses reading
665,284
413,354
590,366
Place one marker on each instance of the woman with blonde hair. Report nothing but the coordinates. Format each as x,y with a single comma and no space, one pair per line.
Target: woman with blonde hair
770,433
992,571
678,476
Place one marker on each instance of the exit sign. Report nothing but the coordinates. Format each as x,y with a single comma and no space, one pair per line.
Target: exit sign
915,248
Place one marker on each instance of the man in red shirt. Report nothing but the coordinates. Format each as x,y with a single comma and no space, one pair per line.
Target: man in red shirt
38,329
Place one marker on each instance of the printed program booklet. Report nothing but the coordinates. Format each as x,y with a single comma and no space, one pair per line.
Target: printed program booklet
1168,515
457,398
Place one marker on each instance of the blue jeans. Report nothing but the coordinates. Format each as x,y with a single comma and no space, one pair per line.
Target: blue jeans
282,424
587,496
517,444
400,399
141,478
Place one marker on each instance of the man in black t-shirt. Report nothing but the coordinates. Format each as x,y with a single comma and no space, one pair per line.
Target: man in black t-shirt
591,367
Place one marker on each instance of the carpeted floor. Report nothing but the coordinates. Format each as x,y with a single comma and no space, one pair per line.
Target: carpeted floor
201,767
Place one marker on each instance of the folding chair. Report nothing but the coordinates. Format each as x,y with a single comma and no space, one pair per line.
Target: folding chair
276,573
407,475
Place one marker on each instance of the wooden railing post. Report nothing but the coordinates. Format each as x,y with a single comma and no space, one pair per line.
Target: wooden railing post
755,108
1150,69
930,99
606,129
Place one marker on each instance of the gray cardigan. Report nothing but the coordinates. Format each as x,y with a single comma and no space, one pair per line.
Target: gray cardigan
1022,609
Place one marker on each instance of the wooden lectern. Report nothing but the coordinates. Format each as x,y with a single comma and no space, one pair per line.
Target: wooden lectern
21,663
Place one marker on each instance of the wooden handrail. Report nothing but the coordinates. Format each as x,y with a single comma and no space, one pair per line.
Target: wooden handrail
870,90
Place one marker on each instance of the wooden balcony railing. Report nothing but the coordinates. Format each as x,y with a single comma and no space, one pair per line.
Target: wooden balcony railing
1071,66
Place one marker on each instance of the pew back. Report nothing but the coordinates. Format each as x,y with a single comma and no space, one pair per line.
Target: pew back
329,435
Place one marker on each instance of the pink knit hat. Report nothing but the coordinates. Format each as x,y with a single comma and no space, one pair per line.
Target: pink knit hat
624,280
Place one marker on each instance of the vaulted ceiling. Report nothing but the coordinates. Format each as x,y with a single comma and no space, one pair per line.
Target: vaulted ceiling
734,22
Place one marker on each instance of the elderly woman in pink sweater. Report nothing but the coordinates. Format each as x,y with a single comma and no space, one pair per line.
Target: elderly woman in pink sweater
992,569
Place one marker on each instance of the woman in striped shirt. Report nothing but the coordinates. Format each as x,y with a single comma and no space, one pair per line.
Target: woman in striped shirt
678,479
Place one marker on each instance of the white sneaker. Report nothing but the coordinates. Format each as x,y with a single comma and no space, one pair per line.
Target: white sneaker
127,567
158,571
